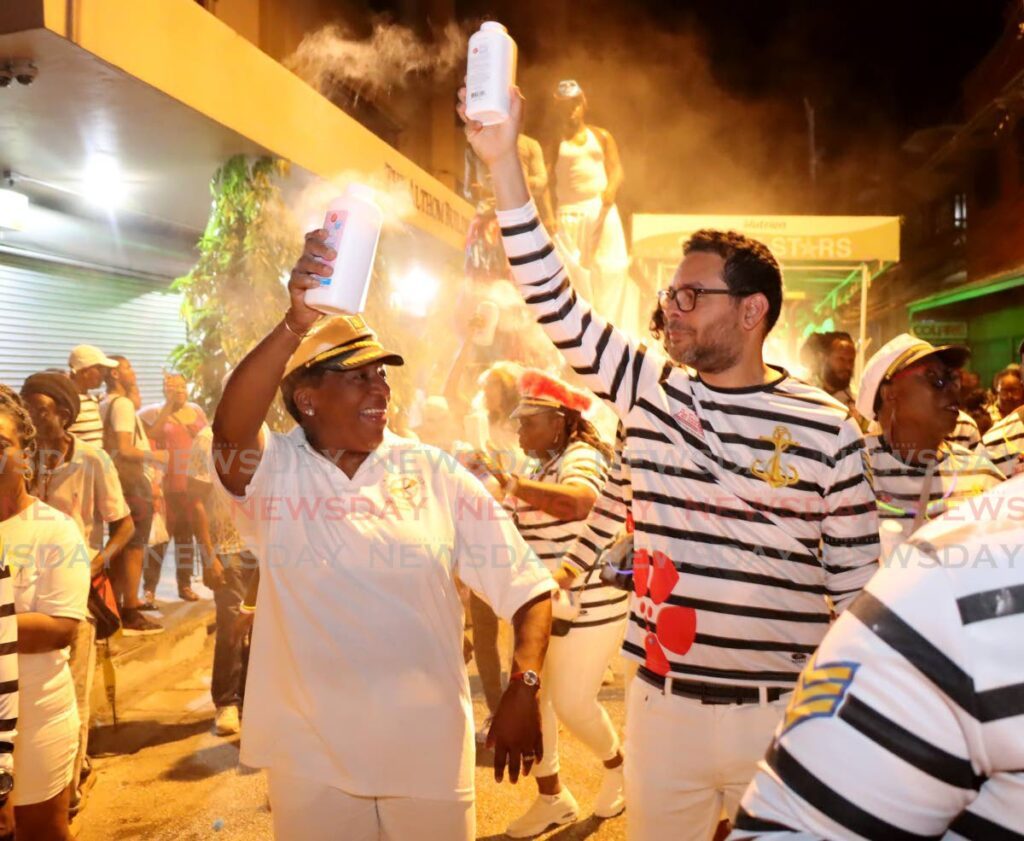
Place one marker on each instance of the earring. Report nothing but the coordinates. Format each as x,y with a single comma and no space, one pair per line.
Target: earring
309,411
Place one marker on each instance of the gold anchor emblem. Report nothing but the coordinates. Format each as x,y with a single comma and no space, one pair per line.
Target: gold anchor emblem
775,474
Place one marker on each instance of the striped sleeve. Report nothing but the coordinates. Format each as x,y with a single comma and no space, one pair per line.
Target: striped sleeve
884,734
583,465
8,670
607,518
966,432
849,532
1003,445
614,365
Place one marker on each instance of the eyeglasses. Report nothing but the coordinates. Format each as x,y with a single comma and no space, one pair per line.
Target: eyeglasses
937,380
685,297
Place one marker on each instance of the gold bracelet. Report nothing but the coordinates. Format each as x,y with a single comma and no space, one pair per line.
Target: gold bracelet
288,327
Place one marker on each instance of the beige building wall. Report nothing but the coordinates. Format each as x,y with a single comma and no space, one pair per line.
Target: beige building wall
427,132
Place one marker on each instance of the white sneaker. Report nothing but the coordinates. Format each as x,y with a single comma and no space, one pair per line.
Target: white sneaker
226,722
610,800
547,812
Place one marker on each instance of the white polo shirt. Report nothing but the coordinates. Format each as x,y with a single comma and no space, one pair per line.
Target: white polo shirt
356,678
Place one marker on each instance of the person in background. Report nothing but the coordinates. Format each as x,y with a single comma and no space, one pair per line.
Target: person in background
78,479
976,408
1003,444
547,506
89,366
230,569
837,360
485,259
586,178
911,389
126,441
378,741
48,563
173,427
1007,392
437,426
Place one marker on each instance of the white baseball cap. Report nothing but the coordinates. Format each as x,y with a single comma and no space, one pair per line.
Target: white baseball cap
85,356
895,356
568,89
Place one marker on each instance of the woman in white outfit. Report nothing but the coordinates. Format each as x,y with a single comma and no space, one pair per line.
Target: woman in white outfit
587,177
49,564
357,699
548,506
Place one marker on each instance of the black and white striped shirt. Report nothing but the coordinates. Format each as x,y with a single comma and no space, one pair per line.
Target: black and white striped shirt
579,464
966,432
750,505
602,604
8,665
609,517
959,475
88,426
909,724
1003,444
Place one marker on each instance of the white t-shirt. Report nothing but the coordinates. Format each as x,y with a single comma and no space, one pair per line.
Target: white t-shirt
87,489
49,564
356,678
119,413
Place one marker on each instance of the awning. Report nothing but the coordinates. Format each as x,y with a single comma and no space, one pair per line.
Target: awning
843,239
171,92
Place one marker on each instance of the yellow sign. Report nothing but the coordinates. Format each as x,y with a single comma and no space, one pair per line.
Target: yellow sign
825,239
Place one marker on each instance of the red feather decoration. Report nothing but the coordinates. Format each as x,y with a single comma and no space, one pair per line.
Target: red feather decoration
537,384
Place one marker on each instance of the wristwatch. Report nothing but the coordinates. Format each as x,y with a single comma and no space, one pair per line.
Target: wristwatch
529,677
6,786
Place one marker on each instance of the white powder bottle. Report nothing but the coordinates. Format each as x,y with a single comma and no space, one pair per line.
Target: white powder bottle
353,224
490,72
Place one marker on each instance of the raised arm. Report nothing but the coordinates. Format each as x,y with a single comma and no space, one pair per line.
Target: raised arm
613,364
253,384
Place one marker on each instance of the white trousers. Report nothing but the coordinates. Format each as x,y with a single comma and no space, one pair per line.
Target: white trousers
687,760
569,686
304,810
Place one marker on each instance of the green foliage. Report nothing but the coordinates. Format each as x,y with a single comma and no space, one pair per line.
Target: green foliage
234,295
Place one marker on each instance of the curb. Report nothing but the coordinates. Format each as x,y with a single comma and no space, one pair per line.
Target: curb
139,660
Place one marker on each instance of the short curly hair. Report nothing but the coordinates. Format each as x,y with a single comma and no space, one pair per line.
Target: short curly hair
13,406
750,268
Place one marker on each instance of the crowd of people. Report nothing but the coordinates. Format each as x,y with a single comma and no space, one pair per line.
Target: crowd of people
768,550
94,487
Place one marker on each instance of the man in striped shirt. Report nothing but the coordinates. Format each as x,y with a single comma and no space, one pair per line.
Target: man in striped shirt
909,723
750,503
89,366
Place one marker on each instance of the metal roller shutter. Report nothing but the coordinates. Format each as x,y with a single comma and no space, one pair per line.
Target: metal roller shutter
47,308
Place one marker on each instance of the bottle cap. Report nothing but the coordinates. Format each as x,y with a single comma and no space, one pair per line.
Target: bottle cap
492,26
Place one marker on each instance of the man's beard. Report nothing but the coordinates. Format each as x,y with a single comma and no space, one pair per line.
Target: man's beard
714,353
835,382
